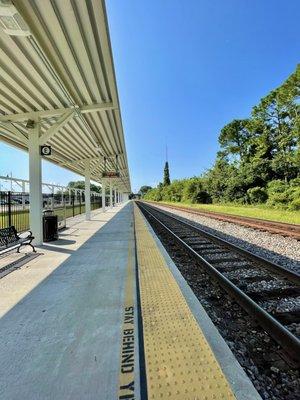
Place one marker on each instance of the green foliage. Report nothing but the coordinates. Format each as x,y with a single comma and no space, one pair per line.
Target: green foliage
295,204
166,175
144,189
191,190
258,161
257,195
234,138
81,185
194,191
284,195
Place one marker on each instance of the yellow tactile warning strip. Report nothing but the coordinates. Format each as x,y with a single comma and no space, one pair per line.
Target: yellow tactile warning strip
127,364
179,362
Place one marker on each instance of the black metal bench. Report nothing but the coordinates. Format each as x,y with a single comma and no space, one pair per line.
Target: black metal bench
9,239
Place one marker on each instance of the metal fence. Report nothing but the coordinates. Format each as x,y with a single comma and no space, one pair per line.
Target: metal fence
14,207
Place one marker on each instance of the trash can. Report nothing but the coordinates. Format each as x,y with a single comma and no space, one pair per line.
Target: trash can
50,226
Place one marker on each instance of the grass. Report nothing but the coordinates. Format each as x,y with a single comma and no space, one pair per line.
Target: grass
259,211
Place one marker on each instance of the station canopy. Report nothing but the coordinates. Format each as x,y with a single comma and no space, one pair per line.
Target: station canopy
56,69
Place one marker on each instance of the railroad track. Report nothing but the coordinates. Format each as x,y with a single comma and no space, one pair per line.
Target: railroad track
280,228
266,291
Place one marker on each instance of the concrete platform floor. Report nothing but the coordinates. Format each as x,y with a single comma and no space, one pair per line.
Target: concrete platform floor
61,314
69,323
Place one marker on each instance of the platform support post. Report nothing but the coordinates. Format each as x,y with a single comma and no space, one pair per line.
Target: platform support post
125,197
87,191
35,184
110,194
23,195
103,195
115,197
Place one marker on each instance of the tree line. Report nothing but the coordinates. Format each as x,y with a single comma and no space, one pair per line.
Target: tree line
258,160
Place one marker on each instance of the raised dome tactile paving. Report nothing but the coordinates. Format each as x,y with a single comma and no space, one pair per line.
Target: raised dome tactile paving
179,362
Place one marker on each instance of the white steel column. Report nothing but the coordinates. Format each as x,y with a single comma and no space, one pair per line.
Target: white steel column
110,194
23,195
125,197
103,195
35,185
87,191
115,196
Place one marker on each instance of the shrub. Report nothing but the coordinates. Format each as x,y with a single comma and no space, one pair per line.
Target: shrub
278,194
257,195
295,205
276,186
194,191
295,183
294,194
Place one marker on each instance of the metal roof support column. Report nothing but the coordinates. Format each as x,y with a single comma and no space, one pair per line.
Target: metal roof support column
23,195
52,197
35,184
125,197
110,194
87,191
115,197
103,195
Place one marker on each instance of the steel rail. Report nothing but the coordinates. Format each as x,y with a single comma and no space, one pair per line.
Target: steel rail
281,228
289,342
288,274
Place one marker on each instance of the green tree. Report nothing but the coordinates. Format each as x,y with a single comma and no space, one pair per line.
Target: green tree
81,185
166,175
144,189
234,138
195,192
279,113
258,161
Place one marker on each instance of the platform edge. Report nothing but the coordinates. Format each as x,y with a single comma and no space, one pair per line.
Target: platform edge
239,382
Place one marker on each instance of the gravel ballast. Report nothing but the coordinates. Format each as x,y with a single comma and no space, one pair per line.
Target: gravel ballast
281,250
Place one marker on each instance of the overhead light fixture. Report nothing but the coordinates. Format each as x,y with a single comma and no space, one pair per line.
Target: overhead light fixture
11,21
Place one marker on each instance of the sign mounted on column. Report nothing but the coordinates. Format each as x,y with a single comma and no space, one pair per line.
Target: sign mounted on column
45,150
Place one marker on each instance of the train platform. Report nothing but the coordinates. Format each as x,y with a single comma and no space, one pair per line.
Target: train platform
103,313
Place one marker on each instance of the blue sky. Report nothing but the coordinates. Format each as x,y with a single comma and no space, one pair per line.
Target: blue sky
185,68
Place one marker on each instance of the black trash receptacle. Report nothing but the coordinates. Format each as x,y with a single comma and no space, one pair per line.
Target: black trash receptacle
50,226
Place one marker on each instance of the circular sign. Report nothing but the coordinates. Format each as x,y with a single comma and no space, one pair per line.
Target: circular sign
45,150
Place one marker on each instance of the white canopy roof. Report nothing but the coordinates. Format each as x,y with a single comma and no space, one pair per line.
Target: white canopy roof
56,67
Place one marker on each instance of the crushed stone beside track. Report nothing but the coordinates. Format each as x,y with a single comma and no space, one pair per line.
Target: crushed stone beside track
279,249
